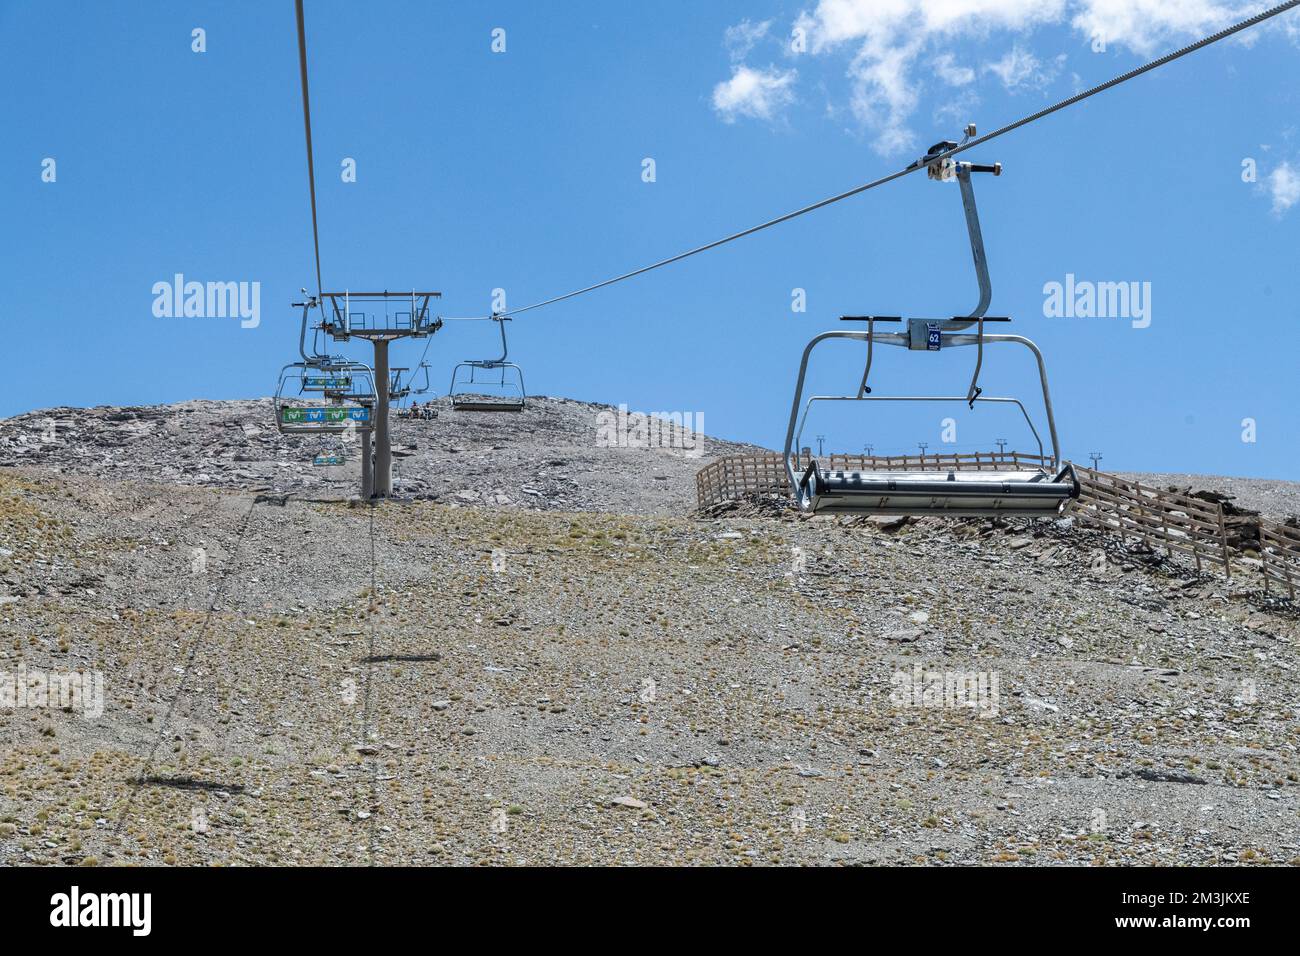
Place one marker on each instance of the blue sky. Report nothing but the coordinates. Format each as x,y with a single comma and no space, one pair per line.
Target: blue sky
523,170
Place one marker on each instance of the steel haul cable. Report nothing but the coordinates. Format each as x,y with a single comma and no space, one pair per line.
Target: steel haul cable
306,119
1000,131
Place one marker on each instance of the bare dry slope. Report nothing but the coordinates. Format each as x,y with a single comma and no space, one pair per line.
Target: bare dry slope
566,686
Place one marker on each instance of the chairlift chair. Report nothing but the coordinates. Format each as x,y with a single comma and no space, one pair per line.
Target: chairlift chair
397,390
347,390
329,459
414,389
472,376
403,385
1026,491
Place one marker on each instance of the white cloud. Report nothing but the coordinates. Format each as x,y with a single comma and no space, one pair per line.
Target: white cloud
957,110
1146,26
945,67
888,23
892,34
895,45
1014,68
1284,187
740,39
1020,68
758,94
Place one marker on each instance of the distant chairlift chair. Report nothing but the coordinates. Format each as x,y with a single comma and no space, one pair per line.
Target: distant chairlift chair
347,391
488,385
401,390
1018,490
397,389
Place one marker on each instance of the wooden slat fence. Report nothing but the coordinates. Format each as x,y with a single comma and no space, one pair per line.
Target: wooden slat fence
738,475
975,461
1160,519
1279,551
1165,520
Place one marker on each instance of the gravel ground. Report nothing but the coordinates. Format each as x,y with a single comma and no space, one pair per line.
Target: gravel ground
465,682
617,689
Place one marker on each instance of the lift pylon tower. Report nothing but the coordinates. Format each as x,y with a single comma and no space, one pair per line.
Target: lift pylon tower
379,317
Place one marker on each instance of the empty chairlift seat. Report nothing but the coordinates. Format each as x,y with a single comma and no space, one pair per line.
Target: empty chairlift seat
1029,493
472,395
489,385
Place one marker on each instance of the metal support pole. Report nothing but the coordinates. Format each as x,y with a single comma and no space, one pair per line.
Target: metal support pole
976,240
383,478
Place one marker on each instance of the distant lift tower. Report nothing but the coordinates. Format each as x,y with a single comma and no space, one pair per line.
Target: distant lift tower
379,317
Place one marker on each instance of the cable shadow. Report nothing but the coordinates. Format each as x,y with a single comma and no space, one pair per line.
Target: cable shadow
186,783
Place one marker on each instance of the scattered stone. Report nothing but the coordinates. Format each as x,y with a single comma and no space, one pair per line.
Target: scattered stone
889,522
1164,776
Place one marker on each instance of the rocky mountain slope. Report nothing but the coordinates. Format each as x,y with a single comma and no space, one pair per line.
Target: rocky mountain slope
597,675
548,457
